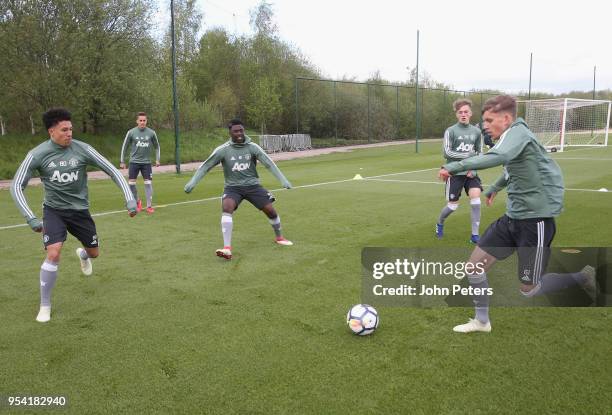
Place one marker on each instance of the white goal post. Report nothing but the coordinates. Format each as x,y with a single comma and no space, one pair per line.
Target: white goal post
566,122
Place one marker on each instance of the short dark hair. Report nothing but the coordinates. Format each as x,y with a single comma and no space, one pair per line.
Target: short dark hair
461,102
54,116
233,122
141,114
501,103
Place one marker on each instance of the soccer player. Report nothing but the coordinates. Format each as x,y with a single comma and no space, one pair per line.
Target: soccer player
461,141
535,197
62,163
140,140
239,158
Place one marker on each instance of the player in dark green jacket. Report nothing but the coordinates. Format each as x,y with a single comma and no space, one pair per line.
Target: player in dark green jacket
239,157
62,164
462,140
535,189
140,141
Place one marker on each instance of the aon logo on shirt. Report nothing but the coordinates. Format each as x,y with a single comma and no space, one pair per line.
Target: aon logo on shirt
142,144
465,147
64,177
241,166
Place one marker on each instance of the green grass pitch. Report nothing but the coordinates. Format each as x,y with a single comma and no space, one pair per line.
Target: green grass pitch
164,326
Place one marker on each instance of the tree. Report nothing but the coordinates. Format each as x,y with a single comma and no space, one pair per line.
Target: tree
187,23
264,102
262,20
224,99
217,61
88,55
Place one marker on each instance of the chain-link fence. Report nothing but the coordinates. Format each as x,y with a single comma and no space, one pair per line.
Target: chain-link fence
346,112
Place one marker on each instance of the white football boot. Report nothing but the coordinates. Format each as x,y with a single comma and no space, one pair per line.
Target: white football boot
225,252
282,241
44,314
473,325
86,266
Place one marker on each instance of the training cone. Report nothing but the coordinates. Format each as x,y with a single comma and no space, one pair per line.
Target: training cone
358,177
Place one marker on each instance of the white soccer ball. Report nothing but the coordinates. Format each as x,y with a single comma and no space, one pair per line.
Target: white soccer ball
362,319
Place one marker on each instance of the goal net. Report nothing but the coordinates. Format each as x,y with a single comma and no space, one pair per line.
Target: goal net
566,122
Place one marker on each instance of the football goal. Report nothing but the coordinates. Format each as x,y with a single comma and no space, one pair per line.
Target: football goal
567,122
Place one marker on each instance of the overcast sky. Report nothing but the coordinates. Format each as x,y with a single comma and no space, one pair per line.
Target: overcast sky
468,44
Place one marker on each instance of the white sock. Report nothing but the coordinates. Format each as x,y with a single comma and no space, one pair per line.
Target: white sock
227,224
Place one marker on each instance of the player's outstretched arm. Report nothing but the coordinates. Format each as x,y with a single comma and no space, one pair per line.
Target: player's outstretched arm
212,160
100,161
20,181
157,147
267,161
484,161
124,146
510,145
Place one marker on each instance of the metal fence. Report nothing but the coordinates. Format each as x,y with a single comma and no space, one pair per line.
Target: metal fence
346,112
286,142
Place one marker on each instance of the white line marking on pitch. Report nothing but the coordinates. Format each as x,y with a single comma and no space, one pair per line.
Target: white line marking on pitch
186,202
370,178
484,184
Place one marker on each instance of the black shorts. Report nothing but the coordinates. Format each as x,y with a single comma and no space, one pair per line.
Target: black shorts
454,184
144,168
257,195
531,238
78,222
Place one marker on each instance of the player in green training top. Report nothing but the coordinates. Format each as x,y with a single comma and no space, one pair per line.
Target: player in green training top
140,140
461,141
62,164
535,197
239,158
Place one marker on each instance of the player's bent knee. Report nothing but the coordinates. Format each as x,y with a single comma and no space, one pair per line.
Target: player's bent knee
54,252
269,211
53,257
452,206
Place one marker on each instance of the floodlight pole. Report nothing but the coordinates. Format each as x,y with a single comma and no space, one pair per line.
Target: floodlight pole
594,73
530,67
593,108
335,115
418,121
297,108
177,153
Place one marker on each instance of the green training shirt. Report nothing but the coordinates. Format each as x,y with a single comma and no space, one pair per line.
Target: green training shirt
63,172
239,161
533,179
140,142
460,142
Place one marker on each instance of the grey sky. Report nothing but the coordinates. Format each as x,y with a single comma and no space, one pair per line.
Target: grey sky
467,44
